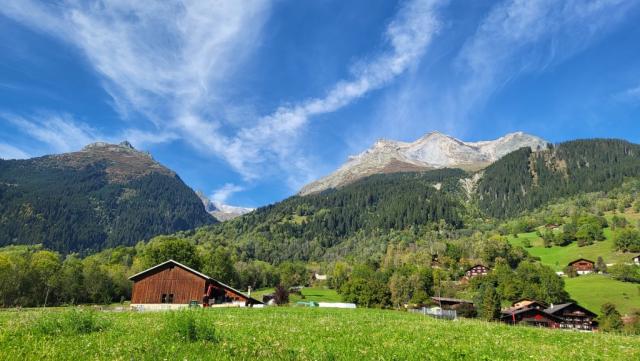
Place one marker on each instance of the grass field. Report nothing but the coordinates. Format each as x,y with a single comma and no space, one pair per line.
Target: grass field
309,293
594,290
293,333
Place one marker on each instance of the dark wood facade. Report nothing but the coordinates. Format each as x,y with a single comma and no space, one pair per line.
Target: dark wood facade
573,316
174,283
168,284
531,317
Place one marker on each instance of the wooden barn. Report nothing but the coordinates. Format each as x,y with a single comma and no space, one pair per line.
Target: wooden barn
173,285
583,266
573,316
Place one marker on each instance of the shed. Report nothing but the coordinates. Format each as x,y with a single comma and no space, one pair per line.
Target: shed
636,259
172,285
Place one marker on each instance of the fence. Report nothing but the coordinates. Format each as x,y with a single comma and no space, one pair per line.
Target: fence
437,312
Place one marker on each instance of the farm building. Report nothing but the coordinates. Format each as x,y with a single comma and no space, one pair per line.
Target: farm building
174,285
530,317
636,260
475,271
583,266
573,316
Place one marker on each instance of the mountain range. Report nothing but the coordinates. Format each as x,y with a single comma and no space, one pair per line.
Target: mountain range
433,151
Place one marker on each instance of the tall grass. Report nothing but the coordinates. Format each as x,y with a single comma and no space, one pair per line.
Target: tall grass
190,325
73,321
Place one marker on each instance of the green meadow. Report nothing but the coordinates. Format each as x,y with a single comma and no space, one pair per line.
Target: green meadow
289,333
594,290
559,257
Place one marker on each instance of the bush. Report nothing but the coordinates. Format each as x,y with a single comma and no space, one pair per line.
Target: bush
73,321
281,295
190,326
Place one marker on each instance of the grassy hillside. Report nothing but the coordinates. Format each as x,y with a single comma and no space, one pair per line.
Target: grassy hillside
594,290
296,334
559,257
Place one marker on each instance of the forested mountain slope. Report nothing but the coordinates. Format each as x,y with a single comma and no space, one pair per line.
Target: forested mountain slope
524,180
363,215
305,227
103,196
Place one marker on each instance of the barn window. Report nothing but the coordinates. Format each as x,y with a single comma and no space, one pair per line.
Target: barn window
170,298
164,298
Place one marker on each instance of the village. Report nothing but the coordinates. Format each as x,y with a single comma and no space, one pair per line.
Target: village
171,286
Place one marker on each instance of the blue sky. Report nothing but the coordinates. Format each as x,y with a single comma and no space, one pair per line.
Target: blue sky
249,100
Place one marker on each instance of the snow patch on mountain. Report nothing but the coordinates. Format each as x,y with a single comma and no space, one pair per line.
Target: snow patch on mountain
222,212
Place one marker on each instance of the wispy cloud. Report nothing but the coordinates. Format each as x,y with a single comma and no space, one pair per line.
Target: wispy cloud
628,95
222,194
522,36
170,62
62,133
59,132
274,138
10,152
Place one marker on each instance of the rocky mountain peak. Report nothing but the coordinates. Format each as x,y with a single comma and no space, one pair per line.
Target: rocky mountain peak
431,151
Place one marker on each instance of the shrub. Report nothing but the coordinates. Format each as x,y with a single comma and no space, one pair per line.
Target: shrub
74,321
190,326
281,295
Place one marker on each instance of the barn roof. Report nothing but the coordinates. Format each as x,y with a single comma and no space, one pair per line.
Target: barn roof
200,274
552,310
454,300
137,275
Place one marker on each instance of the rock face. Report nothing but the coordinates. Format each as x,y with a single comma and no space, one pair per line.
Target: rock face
432,151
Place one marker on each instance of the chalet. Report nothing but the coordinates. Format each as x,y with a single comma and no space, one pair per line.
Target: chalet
573,316
451,303
530,317
636,260
172,285
583,266
475,271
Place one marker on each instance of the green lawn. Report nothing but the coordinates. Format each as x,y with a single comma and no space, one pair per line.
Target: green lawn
309,293
594,290
293,333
